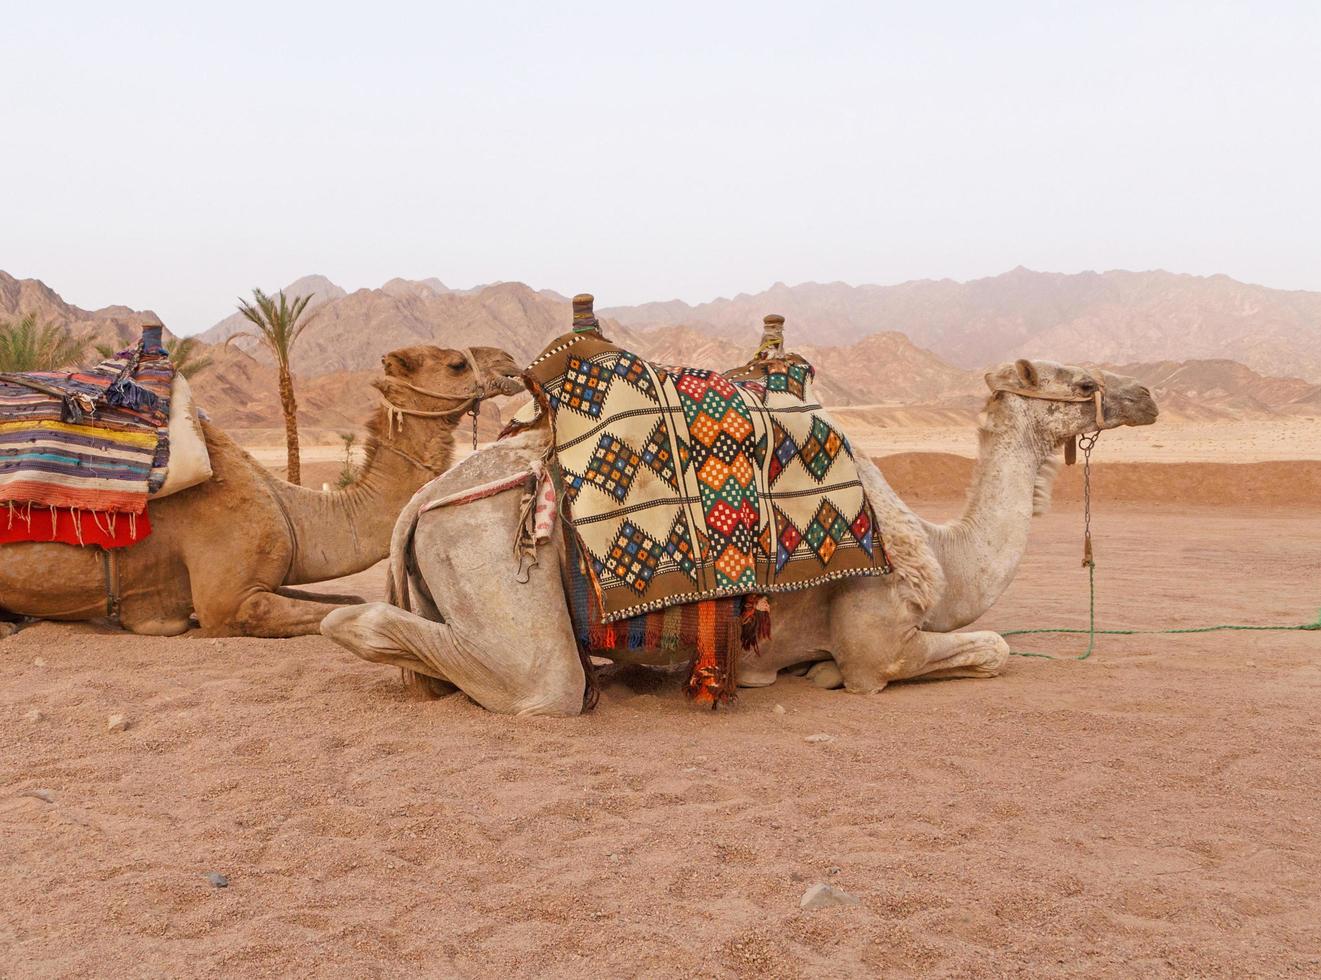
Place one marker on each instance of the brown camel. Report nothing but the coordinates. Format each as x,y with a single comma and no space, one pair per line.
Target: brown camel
226,551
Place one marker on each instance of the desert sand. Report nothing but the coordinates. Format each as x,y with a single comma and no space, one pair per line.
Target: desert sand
1148,812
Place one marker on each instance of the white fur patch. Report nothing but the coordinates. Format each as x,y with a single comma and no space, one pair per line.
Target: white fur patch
920,578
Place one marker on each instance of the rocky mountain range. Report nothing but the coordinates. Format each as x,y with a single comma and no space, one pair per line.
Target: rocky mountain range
933,368
1113,317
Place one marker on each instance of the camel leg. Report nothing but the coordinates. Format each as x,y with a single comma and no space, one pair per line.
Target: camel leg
876,643
930,656
500,680
946,655
268,614
331,598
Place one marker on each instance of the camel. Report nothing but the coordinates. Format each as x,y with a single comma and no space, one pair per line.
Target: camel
227,552
509,645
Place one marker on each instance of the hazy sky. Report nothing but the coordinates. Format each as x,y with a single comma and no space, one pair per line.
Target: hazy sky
170,156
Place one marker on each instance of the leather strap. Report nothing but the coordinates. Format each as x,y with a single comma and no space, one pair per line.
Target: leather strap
110,572
1095,396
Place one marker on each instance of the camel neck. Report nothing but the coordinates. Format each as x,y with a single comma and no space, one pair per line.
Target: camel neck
342,532
980,552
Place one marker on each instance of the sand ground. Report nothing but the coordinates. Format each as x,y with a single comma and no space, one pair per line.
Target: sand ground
1151,812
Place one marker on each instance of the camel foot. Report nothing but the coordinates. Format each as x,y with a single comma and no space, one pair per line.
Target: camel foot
987,657
424,688
8,629
826,675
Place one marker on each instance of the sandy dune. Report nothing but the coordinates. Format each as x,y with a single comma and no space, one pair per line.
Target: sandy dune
1150,812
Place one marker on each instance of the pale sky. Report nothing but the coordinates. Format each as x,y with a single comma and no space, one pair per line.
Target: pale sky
170,156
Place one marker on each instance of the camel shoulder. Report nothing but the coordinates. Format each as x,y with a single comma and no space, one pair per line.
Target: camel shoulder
917,571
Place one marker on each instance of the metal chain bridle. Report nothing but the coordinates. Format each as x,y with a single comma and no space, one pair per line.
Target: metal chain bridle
1087,443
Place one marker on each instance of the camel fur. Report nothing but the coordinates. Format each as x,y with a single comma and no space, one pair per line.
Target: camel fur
228,551
510,646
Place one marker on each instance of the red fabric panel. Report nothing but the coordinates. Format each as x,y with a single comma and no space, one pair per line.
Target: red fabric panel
68,525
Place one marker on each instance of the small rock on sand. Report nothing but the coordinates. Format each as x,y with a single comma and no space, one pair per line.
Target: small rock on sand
45,795
117,723
39,662
819,737
35,715
823,896
217,879
778,709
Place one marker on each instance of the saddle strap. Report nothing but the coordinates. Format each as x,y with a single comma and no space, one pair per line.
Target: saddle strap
110,574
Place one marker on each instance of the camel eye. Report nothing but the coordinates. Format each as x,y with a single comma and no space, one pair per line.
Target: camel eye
458,366
1087,386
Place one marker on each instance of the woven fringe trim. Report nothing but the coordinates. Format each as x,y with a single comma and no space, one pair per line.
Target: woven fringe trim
733,592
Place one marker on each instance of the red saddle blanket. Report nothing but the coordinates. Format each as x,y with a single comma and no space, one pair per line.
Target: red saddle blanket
71,525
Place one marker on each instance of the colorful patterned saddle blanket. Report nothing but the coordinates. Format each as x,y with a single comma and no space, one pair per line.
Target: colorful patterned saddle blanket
684,485
94,440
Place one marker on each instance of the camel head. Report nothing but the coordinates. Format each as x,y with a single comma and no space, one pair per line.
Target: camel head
485,371
1058,402
427,392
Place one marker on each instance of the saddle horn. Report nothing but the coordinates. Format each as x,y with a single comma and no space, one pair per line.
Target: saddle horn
584,320
772,336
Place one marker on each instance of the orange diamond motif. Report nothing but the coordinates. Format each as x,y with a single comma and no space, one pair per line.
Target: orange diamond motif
736,425
704,429
826,550
741,469
713,473
733,563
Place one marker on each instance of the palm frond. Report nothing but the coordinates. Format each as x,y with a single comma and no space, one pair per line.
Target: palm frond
27,346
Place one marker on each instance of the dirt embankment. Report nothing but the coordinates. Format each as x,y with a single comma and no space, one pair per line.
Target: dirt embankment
1291,484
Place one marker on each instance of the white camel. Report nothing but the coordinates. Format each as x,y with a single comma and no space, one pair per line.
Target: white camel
510,647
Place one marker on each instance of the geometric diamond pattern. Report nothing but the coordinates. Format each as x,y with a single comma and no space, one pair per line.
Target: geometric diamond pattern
612,467
785,450
789,540
679,547
823,445
787,377
861,530
632,369
634,557
684,483
585,387
722,451
825,531
657,456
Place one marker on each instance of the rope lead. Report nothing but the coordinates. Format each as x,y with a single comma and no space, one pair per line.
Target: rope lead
1087,443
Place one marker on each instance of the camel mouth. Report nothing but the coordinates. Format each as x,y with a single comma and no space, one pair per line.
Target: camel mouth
1145,411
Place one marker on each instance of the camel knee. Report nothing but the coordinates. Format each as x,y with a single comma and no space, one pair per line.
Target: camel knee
254,612
359,629
996,654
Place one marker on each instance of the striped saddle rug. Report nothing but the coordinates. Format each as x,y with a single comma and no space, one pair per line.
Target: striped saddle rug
688,486
93,441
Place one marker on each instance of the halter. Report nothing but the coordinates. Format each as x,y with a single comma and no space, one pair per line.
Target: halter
469,405
1070,447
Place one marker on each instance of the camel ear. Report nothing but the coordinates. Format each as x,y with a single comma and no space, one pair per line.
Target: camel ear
399,362
1027,372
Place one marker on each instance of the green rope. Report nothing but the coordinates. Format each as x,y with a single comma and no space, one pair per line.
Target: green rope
1092,632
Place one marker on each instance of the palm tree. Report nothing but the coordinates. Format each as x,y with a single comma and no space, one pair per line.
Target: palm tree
181,351
25,346
183,354
279,326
